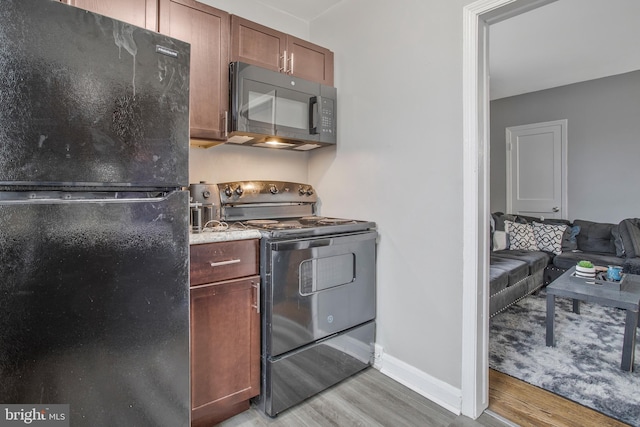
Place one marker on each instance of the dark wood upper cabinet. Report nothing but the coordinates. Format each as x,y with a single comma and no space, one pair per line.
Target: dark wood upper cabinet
142,13
268,48
310,61
256,44
207,30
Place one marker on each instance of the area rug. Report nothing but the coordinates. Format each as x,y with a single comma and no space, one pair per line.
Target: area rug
585,364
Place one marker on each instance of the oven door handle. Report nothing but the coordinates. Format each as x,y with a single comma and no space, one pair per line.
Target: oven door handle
323,242
304,244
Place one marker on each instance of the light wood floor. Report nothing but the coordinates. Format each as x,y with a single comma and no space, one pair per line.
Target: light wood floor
371,399
528,405
368,399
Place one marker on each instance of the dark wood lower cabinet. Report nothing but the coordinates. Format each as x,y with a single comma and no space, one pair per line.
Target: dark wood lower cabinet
225,349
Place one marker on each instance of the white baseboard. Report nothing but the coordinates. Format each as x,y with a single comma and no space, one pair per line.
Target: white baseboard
436,390
377,356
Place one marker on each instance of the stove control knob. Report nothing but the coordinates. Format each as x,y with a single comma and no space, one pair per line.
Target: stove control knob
302,191
239,191
206,194
309,191
227,191
273,189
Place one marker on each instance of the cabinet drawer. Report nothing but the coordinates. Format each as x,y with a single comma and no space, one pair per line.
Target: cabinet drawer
214,262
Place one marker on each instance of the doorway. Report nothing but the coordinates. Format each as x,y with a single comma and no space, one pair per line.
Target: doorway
478,16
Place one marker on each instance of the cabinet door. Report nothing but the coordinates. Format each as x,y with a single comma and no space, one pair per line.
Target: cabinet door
225,347
256,44
268,48
207,30
310,61
143,13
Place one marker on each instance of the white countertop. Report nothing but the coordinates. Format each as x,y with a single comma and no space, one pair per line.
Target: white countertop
222,236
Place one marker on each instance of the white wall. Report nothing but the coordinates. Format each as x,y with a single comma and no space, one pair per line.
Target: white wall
255,11
224,163
399,162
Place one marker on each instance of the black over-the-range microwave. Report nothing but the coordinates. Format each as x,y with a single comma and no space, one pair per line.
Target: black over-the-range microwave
272,109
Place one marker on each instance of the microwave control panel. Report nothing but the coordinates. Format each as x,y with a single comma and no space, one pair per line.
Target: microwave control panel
326,117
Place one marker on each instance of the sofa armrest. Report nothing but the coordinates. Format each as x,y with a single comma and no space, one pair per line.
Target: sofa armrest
630,235
631,265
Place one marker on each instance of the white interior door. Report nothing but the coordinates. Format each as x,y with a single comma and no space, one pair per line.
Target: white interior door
536,169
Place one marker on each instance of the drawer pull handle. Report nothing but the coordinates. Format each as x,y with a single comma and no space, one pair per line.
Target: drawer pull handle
221,263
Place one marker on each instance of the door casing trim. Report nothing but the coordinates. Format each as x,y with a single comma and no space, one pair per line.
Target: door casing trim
477,17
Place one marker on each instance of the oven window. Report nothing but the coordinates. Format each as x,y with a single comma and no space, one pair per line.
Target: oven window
318,274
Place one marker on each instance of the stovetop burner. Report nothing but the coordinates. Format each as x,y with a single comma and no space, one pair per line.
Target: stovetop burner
272,224
303,222
311,219
261,222
334,221
283,226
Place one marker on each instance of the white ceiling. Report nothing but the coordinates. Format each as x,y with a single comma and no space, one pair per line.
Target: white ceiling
307,10
564,42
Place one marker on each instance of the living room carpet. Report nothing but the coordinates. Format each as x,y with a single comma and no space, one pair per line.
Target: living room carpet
585,364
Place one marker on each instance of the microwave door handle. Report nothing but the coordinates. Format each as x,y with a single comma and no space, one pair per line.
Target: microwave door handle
313,115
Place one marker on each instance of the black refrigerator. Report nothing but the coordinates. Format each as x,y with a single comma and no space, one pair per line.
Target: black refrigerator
94,266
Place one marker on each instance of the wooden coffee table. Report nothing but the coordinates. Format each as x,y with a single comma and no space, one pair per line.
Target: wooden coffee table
628,298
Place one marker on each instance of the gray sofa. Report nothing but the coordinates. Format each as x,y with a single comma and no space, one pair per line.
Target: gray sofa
518,268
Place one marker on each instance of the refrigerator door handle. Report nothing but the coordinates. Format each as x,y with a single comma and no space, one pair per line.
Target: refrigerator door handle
66,198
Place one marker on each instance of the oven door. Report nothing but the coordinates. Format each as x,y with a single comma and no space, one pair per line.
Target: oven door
318,287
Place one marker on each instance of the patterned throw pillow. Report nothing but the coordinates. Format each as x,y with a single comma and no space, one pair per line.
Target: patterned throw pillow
549,237
520,236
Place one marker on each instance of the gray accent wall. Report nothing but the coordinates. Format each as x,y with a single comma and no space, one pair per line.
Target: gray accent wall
603,127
